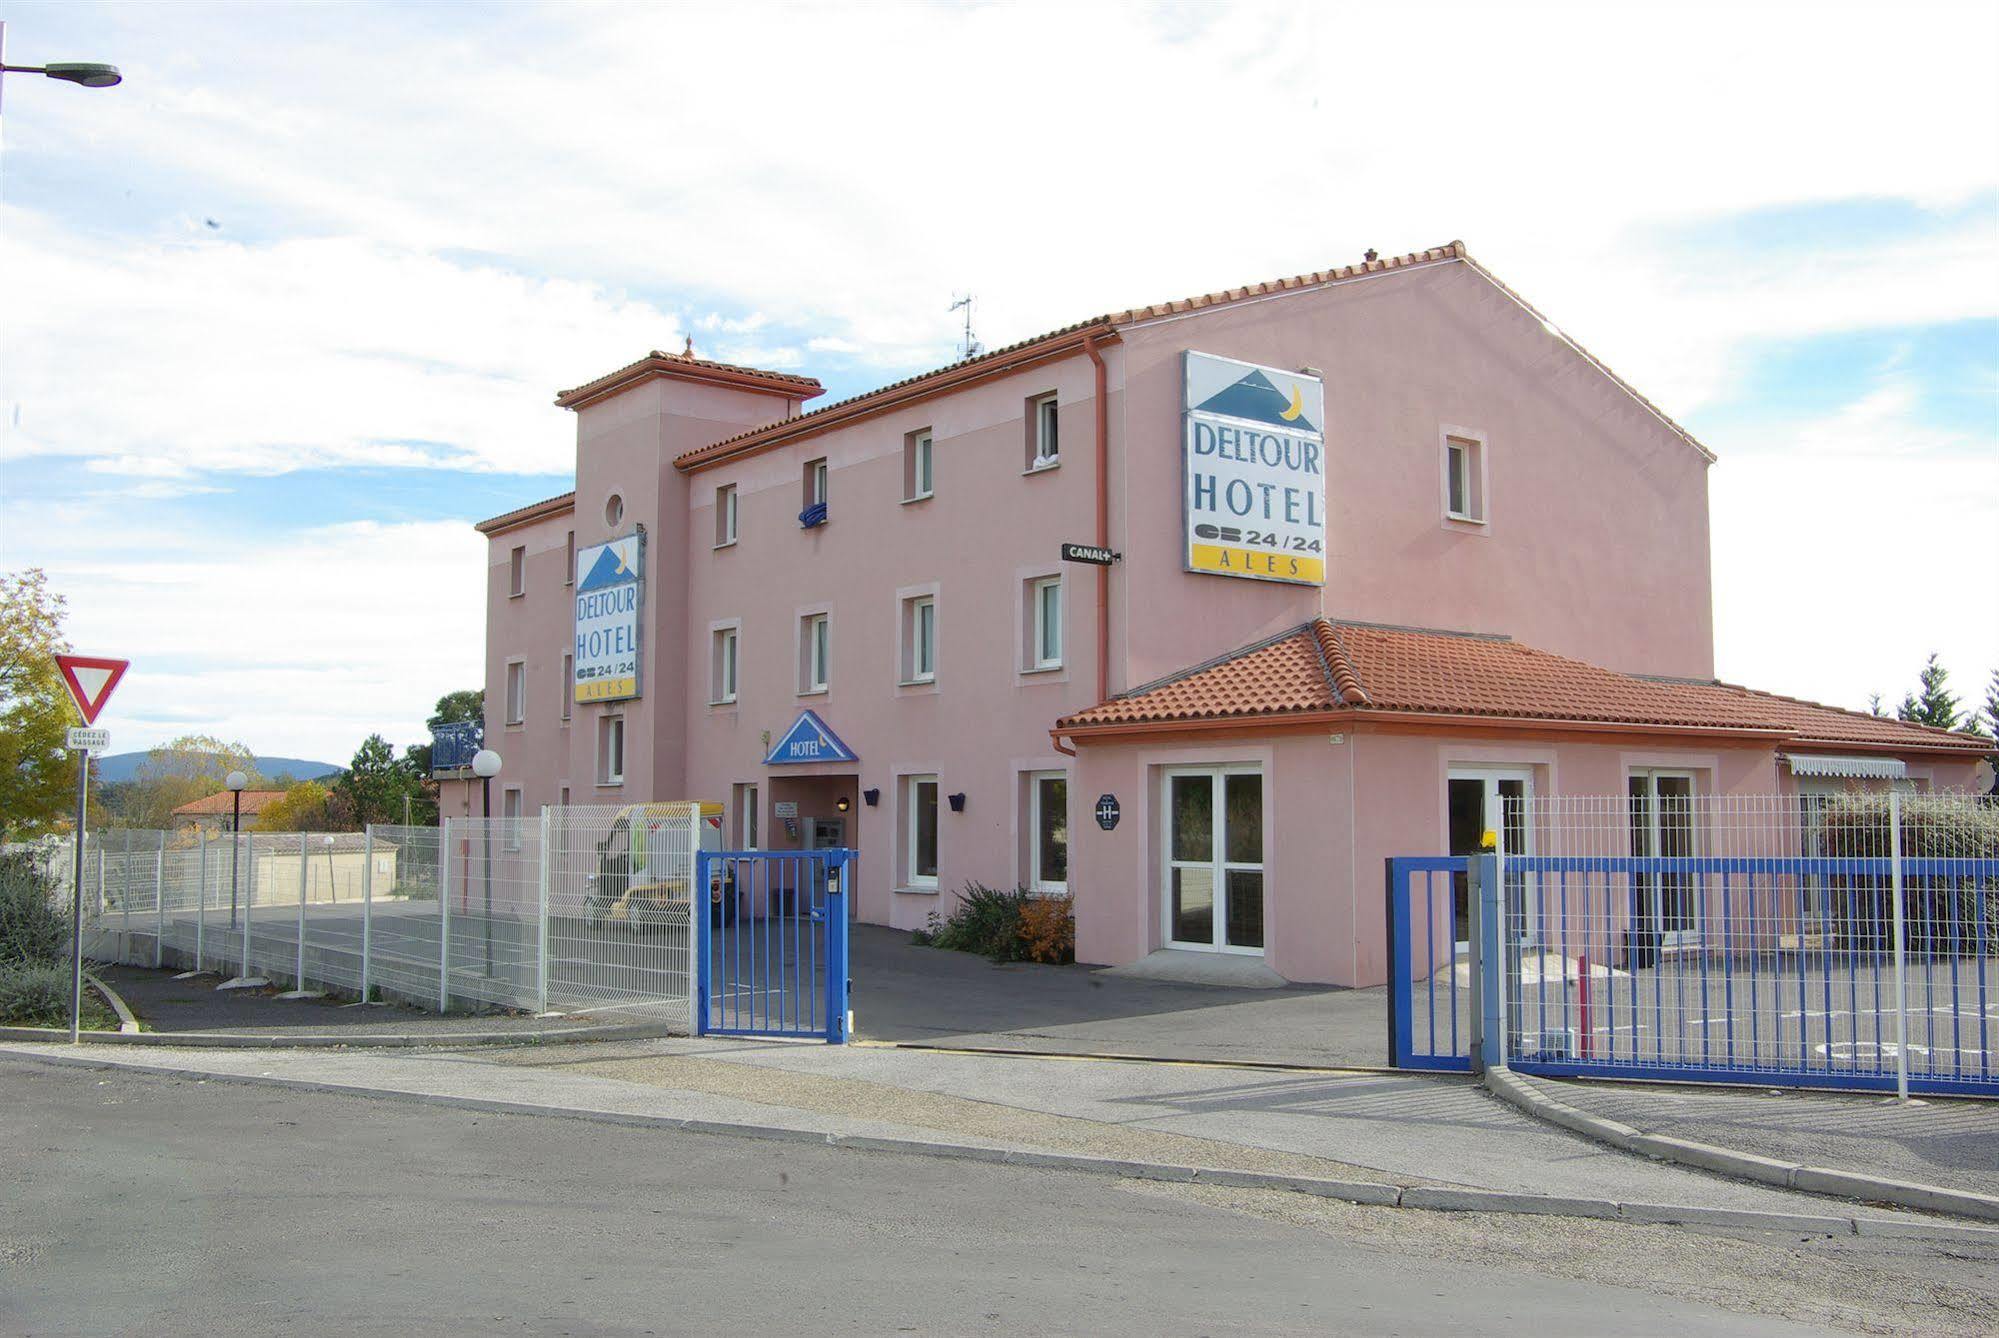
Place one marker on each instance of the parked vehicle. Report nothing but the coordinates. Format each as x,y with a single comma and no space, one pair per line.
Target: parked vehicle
643,869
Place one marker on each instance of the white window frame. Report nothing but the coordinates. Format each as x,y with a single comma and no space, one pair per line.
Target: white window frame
513,803
920,478
1493,802
517,692
1045,630
1218,850
517,571
911,786
568,685
1045,430
815,652
919,651
818,481
727,513
610,759
749,816
1463,457
1036,882
1653,891
725,641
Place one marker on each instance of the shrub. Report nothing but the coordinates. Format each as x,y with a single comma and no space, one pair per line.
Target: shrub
33,928
986,921
1048,930
37,995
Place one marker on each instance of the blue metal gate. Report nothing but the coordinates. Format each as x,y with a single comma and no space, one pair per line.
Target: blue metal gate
1429,993
771,954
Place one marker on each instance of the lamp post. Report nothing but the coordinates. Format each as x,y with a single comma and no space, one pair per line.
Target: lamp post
332,887
486,765
86,74
235,780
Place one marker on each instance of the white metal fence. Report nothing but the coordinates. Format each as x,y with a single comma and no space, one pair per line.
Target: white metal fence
579,909
1843,939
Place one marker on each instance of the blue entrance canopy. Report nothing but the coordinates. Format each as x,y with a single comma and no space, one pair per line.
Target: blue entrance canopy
809,740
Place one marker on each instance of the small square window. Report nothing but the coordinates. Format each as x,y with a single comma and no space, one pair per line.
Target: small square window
517,692
920,822
1044,623
1044,435
611,750
918,466
815,652
722,668
1464,478
919,639
725,515
517,573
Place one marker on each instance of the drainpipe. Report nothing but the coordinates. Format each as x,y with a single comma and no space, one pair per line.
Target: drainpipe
1103,516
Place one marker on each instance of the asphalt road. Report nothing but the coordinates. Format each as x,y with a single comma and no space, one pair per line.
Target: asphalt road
139,1204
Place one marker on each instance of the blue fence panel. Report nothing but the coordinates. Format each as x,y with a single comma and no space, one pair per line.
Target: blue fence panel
1429,995
771,954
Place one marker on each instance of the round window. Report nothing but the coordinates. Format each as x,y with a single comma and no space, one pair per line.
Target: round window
614,509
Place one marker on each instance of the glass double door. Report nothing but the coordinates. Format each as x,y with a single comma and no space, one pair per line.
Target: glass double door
1662,826
1214,859
1489,800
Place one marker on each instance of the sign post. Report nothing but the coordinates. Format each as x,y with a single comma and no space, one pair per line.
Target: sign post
89,681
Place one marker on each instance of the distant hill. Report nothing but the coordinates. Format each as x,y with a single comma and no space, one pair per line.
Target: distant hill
119,767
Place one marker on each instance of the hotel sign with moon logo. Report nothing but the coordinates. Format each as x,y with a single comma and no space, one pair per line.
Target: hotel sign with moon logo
610,594
1255,471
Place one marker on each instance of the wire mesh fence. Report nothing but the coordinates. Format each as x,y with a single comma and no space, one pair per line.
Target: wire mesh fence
1837,939
577,909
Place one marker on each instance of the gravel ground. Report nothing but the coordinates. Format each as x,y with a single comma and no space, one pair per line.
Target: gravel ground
1934,1141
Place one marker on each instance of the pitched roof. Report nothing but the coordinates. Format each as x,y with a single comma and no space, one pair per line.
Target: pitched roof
1321,669
521,515
253,802
687,367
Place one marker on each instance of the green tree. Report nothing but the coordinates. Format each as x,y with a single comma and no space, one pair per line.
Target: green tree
1992,705
306,806
466,704
1933,703
177,772
37,773
458,707
377,783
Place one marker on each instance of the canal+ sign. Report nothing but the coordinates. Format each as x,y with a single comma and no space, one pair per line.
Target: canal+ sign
609,595
1255,471
808,740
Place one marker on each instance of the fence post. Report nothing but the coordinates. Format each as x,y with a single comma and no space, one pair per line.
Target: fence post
249,844
838,889
697,909
160,904
1901,946
1488,963
201,900
541,921
304,872
125,902
444,915
367,904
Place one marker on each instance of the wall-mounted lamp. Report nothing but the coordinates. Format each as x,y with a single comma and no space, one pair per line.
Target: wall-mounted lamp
871,797
843,803
958,802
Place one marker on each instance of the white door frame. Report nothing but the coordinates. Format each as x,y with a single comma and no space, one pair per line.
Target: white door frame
1656,892
1218,848
1490,808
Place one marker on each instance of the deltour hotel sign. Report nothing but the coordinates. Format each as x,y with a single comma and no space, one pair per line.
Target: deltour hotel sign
608,600
1255,468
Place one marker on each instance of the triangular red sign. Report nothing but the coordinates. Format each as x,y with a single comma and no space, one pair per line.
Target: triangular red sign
90,681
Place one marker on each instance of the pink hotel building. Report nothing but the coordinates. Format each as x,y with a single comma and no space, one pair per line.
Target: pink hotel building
1417,553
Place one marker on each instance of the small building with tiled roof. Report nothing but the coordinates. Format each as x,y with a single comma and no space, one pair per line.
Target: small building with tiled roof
1134,611
213,812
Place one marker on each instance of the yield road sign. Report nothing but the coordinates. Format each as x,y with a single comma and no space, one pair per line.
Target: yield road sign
90,681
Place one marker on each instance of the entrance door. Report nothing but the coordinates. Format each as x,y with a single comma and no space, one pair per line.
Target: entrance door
1481,800
1214,859
1662,826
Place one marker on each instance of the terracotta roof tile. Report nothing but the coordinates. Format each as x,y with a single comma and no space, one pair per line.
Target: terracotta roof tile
686,365
253,802
1371,670
548,506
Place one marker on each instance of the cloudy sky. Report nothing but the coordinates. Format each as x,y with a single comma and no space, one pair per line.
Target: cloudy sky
285,311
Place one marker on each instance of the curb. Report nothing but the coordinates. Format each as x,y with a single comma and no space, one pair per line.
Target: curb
222,1040
127,1024
1515,1090
1420,1198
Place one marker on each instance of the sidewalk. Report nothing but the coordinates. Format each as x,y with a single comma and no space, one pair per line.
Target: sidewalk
1953,1143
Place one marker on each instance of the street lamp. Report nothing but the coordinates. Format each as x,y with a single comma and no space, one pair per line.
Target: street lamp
332,887
235,781
88,73
486,765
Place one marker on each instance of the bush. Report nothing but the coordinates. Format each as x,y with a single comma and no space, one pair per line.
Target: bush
1003,926
37,995
33,929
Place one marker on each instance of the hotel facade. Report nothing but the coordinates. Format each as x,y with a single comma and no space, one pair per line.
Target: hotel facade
1194,613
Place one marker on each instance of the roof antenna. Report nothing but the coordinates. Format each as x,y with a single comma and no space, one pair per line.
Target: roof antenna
971,348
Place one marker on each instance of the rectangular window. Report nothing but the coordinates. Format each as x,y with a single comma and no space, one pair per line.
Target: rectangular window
564,800
725,515
918,472
1464,479
611,750
517,692
722,667
1048,831
568,682
517,573
919,639
1214,859
748,824
1044,433
815,645
1044,649
815,481
920,821
510,813
569,558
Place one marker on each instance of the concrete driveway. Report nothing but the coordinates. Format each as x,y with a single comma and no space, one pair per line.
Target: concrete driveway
910,994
